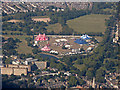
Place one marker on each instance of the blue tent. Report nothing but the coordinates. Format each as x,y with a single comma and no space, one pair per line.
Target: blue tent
86,37
80,41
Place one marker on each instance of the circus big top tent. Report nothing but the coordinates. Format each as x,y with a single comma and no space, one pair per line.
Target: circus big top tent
41,37
80,41
86,37
45,48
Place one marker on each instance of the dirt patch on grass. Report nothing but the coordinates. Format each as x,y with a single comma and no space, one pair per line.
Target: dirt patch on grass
15,21
41,19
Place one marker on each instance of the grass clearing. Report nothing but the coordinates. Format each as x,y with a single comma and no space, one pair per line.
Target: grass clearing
88,23
80,67
111,10
22,46
54,27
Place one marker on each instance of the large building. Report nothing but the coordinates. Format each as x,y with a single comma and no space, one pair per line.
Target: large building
19,66
19,71
6,70
15,69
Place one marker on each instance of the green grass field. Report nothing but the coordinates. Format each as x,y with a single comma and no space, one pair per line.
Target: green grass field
111,10
88,23
22,46
80,67
54,27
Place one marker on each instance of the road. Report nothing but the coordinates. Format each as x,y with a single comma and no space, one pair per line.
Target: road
61,36
51,55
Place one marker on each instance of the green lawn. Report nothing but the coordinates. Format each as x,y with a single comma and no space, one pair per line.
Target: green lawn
88,23
54,27
22,46
80,67
108,9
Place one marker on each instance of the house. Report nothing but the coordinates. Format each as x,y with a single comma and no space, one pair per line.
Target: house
67,73
16,62
28,61
15,69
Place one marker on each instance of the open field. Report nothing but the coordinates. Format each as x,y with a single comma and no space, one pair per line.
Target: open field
108,9
88,23
15,21
22,46
41,18
80,67
9,32
54,27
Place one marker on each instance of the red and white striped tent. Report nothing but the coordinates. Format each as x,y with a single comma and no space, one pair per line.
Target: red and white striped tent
45,48
41,37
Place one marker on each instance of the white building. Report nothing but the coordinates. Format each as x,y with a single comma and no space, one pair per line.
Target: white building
67,73
53,51
61,40
89,48
67,46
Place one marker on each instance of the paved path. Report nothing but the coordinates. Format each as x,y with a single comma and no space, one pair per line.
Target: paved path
51,55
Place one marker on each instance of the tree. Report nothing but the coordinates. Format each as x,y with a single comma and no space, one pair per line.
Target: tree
100,79
34,67
35,51
63,47
8,61
30,80
28,39
12,77
81,82
72,81
89,74
100,74
39,81
17,40
22,75
61,20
